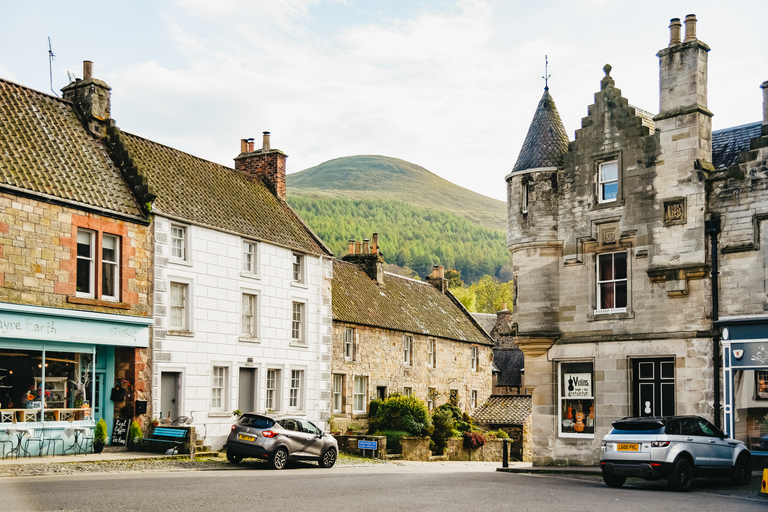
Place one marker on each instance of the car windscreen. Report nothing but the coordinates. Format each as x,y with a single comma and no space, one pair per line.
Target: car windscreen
250,420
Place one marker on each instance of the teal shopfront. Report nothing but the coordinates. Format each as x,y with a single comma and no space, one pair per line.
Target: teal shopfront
57,367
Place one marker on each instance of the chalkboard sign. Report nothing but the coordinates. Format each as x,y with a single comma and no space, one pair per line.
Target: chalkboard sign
120,431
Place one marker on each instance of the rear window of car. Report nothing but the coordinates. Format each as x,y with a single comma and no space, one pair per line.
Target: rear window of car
250,420
637,427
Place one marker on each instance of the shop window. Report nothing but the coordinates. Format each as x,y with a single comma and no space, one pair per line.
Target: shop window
360,395
653,387
296,391
576,415
338,393
761,384
611,283
350,347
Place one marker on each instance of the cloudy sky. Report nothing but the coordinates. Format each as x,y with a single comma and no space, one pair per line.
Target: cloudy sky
450,85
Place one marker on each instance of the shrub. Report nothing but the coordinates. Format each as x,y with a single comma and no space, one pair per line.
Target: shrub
393,439
402,413
473,440
500,434
134,433
442,429
100,432
462,421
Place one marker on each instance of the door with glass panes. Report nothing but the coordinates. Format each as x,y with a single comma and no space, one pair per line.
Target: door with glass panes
653,386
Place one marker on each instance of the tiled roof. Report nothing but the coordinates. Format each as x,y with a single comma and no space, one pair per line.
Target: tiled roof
504,410
44,149
207,193
510,363
400,304
486,320
729,143
547,141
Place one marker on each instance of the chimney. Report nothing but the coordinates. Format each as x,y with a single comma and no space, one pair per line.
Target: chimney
375,240
690,28
358,247
437,278
366,246
266,164
91,97
351,246
764,87
674,32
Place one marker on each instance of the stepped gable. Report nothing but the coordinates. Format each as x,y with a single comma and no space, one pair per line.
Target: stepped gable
200,191
401,304
729,143
48,152
546,141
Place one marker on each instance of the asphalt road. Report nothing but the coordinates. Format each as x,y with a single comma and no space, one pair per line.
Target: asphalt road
431,486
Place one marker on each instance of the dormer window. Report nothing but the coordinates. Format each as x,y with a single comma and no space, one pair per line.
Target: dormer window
608,181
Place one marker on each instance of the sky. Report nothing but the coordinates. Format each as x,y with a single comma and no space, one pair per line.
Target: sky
451,85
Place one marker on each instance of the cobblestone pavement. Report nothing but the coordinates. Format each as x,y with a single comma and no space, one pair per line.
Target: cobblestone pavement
201,463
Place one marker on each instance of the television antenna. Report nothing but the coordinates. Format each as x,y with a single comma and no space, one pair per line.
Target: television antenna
51,56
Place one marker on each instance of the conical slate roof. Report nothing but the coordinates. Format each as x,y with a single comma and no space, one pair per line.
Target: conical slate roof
546,142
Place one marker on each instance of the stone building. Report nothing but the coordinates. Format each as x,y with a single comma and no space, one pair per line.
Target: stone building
75,265
609,237
393,334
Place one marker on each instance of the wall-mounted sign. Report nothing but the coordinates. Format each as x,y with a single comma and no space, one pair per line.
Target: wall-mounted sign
749,354
577,385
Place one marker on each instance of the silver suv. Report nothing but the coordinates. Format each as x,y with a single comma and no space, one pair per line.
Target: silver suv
280,439
674,448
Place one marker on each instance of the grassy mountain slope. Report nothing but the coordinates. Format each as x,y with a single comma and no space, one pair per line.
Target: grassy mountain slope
391,179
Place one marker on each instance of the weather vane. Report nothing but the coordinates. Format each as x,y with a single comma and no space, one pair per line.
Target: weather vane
546,76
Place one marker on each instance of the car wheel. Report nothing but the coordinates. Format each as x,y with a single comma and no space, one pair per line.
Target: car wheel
234,458
682,475
613,480
279,459
328,459
741,473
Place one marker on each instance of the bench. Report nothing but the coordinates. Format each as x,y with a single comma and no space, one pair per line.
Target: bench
166,435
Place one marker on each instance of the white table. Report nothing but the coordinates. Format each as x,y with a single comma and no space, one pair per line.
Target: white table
20,432
78,432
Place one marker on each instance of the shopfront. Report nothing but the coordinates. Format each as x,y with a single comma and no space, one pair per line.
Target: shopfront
57,367
745,377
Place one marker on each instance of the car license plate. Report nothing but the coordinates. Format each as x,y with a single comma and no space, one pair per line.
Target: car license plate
627,447
245,437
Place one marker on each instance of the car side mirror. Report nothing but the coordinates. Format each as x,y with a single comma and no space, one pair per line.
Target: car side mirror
722,435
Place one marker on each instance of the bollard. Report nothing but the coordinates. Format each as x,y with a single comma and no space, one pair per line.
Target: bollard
505,454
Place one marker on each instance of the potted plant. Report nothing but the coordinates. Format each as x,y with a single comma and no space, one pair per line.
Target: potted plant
155,422
99,436
134,435
237,413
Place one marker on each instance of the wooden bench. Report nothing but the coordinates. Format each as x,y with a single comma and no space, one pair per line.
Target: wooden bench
165,436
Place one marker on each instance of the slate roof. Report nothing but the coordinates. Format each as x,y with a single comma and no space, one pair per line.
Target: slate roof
45,150
727,144
400,304
203,192
486,320
510,363
546,141
504,410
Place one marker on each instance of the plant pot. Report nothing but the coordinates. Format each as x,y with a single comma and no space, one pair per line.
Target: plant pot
98,446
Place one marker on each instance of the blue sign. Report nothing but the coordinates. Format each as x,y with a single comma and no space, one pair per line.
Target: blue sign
367,445
749,354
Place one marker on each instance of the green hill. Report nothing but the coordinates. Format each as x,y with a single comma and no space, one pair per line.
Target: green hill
422,219
391,179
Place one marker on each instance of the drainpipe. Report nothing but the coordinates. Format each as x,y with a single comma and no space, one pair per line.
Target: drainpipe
712,228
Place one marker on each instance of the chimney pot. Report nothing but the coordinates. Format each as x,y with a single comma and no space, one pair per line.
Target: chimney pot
366,246
87,70
265,144
375,244
690,28
351,246
243,145
674,31
764,86
358,247
441,272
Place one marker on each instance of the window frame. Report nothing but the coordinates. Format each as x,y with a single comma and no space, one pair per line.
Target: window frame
183,246
219,383
603,182
337,393
272,394
407,391
407,350
298,326
431,353
254,320
474,359
350,344
185,308
599,282
250,259
361,395
473,399
113,264
298,265
761,383
580,369
90,259
296,390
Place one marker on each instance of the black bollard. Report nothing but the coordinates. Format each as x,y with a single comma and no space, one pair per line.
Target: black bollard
505,454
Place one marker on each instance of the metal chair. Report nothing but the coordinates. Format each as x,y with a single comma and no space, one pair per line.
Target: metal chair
7,441
37,438
49,439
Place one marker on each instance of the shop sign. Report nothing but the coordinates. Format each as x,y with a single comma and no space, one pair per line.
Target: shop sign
749,354
120,431
577,385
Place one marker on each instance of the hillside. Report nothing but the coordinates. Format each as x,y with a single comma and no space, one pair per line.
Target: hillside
391,179
422,219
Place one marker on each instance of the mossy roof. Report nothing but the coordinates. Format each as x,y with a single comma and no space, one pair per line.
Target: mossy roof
504,410
210,194
400,304
546,141
46,150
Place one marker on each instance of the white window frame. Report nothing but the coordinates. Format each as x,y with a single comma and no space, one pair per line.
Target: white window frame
338,393
360,395
602,182
272,389
89,260
113,264
431,353
296,390
473,359
407,391
185,309
249,316
297,268
219,387
407,350
430,399
179,242
299,322
598,282
562,399
473,399
250,262
350,346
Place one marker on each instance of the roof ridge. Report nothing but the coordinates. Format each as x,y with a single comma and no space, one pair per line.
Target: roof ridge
41,93
745,125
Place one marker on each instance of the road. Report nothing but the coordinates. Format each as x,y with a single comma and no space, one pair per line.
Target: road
428,486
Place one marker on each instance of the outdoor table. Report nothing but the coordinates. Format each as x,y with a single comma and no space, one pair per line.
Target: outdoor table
20,433
77,431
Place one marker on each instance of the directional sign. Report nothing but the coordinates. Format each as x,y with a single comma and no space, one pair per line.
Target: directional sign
367,445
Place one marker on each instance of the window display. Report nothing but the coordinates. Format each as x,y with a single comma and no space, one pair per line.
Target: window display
577,403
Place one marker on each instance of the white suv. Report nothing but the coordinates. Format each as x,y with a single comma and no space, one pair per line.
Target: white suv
674,448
